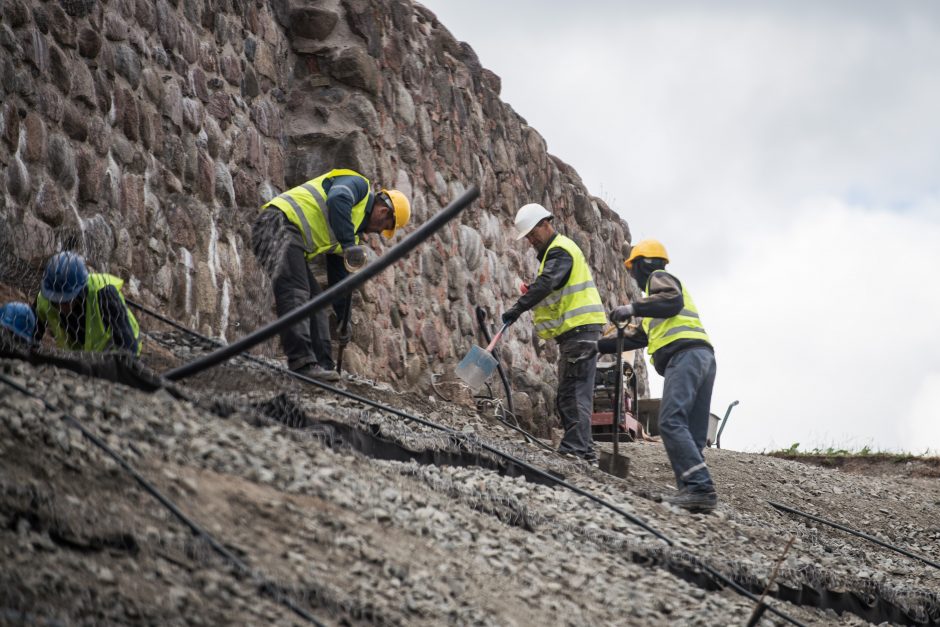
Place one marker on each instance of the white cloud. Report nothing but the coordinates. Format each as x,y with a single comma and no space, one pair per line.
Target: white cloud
786,153
824,330
920,428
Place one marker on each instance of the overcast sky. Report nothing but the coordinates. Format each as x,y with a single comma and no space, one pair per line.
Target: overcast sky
787,154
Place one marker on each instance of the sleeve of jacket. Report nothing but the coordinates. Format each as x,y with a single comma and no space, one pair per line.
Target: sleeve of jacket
114,315
632,339
345,192
554,274
664,299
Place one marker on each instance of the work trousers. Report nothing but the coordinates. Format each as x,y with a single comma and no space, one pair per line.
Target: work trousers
279,247
684,413
574,401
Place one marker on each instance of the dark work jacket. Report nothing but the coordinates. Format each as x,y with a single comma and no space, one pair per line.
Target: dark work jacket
664,301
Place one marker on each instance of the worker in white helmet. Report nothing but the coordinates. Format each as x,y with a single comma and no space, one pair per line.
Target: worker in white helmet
567,308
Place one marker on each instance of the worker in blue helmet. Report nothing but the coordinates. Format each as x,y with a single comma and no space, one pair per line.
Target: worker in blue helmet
19,319
84,311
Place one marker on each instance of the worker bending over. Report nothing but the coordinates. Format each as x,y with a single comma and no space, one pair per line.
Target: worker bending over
84,311
680,351
324,216
567,309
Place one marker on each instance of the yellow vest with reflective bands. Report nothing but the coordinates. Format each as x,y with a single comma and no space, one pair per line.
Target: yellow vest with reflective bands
98,338
685,325
574,304
305,206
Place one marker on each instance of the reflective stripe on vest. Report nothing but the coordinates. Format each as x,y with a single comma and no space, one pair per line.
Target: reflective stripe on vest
684,325
574,304
305,206
98,338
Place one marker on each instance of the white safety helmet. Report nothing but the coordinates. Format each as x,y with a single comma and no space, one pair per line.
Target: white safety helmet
528,216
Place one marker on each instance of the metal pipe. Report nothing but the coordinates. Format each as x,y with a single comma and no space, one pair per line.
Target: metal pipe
329,295
860,534
218,547
618,395
723,421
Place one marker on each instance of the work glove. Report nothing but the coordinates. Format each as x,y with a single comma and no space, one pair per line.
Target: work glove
524,289
621,314
354,258
510,316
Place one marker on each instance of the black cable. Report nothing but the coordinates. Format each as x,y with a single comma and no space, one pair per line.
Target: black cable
481,320
459,434
332,293
860,534
266,586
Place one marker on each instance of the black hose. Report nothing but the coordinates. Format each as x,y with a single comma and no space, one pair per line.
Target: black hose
329,295
859,534
266,586
481,320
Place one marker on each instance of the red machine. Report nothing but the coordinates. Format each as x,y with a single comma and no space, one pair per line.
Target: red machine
602,419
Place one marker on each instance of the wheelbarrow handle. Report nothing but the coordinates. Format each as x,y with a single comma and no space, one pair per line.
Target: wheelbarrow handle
499,334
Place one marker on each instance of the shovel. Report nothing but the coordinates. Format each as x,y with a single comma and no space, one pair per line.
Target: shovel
616,464
479,363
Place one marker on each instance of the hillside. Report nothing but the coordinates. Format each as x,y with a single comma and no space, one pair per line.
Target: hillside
359,515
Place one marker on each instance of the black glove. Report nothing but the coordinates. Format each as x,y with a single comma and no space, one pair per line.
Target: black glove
510,316
621,314
354,258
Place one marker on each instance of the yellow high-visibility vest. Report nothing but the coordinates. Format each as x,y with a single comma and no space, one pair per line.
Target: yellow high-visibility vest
305,206
98,338
685,325
574,304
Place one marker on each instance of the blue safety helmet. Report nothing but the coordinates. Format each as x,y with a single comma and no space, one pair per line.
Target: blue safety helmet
65,278
19,319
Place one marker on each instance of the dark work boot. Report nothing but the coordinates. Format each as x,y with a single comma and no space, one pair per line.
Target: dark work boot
695,501
316,371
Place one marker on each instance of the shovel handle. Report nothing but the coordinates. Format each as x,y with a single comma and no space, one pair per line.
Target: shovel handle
499,334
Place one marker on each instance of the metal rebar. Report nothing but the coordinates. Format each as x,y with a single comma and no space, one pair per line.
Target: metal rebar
854,532
197,530
329,295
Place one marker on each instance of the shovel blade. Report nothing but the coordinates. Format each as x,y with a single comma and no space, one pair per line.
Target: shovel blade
616,465
476,367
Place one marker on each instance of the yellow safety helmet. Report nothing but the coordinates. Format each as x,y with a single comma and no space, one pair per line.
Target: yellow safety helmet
649,248
400,205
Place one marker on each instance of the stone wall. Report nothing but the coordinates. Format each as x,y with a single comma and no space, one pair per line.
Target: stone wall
147,134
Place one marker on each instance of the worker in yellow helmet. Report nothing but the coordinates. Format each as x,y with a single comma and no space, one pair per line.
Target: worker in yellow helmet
326,215
566,308
681,352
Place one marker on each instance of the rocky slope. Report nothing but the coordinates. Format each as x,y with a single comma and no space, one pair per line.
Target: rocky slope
360,515
147,134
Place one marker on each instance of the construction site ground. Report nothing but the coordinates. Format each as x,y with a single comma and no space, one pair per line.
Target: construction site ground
408,525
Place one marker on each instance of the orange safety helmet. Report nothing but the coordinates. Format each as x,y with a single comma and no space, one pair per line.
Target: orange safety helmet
648,248
397,202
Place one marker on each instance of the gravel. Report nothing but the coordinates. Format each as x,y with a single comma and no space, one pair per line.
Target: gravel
359,539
